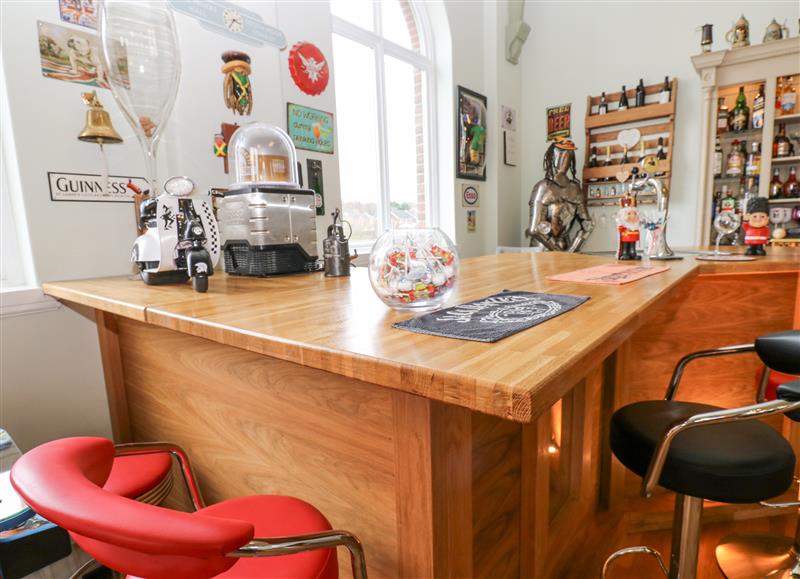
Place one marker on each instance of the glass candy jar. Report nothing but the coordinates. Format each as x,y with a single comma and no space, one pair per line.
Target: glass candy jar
413,269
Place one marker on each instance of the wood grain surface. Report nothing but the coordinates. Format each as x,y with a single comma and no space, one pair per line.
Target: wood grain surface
339,325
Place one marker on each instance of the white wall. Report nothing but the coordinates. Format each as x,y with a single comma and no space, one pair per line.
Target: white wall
478,47
51,383
582,48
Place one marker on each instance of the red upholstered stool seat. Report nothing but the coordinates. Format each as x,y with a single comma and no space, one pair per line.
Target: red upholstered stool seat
276,516
135,476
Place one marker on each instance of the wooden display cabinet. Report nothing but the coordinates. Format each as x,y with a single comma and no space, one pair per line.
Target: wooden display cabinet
722,73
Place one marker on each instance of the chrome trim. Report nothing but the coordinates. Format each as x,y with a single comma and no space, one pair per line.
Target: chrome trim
762,386
685,537
634,551
750,412
677,374
785,505
90,565
137,448
270,547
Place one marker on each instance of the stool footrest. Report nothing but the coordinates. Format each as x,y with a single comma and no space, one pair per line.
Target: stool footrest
641,550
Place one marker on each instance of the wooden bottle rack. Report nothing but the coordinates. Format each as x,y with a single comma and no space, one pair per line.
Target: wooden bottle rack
653,120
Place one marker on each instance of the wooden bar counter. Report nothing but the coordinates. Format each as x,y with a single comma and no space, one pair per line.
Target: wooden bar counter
448,458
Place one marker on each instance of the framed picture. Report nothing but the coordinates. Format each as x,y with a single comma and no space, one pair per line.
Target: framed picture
310,129
471,138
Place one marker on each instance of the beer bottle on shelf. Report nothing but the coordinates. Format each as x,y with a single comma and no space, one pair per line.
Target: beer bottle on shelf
741,113
623,100
641,150
791,187
727,201
660,154
602,108
758,108
775,186
781,146
735,161
778,94
717,159
666,92
624,155
609,162
640,93
723,116
753,165
788,97
593,157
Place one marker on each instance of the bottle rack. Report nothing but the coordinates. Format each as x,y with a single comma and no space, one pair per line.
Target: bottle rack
653,120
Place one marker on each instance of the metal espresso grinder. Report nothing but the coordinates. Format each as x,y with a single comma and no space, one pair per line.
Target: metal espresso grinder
336,248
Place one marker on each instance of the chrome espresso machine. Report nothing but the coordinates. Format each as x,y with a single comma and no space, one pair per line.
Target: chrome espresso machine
267,221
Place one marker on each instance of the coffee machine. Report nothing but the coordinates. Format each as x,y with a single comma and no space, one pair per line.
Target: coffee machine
267,221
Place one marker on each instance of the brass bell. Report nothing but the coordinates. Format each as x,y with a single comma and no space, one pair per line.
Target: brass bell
98,128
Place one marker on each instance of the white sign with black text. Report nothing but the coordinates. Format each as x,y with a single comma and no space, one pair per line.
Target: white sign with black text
88,187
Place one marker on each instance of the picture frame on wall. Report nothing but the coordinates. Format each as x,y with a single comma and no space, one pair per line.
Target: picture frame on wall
471,137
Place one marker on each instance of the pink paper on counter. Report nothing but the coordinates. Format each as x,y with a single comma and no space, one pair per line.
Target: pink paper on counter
609,274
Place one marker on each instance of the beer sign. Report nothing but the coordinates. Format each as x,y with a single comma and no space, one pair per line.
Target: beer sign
558,122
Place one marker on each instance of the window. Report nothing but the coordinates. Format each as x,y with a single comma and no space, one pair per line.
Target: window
383,75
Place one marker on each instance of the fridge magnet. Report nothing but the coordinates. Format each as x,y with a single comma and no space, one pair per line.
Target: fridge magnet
310,129
309,68
472,220
237,89
471,138
470,196
80,12
509,118
74,56
558,121
231,20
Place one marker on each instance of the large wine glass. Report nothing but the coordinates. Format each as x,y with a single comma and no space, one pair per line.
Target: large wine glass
725,223
142,62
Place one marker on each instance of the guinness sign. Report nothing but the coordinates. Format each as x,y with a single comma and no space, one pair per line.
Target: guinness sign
80,187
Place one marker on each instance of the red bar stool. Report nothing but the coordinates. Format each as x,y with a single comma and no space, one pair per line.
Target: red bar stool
61,480
146,478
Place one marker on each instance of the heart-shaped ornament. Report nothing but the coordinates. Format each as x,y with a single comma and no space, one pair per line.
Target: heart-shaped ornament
622,176
629,138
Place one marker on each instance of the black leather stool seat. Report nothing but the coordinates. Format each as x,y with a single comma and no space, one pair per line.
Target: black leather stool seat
735,462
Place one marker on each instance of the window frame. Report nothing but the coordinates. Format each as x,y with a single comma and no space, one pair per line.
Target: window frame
425,62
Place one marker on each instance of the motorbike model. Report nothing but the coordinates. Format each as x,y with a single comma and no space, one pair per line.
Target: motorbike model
180,239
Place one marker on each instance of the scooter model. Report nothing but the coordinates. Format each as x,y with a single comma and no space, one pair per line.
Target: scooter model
180,239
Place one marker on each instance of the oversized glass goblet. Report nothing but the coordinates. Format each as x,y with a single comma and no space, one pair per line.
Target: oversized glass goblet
143,65
725,223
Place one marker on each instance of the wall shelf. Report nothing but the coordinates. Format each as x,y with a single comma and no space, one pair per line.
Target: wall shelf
789,201
786,160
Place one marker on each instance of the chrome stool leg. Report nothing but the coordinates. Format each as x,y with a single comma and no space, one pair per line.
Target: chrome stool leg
634,551
685,537
685,541
758,555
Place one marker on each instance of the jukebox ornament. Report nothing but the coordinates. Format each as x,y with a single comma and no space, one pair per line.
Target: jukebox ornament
756,226
628,224
237,89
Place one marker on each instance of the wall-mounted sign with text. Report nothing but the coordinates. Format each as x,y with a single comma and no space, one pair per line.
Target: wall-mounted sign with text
231,20
310,129
87,187
558,122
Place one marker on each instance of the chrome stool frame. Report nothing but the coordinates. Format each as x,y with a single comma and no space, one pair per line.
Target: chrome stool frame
688,510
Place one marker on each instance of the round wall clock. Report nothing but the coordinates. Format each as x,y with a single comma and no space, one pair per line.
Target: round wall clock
233,19
309,68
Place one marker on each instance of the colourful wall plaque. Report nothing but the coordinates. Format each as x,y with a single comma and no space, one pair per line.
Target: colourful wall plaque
310,129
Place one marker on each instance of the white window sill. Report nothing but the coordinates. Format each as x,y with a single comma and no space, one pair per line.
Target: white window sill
25,300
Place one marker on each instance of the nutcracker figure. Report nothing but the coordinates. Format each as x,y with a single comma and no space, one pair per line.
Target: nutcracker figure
628,223
756,227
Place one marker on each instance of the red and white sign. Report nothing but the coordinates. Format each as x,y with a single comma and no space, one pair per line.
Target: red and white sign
309,68
470,196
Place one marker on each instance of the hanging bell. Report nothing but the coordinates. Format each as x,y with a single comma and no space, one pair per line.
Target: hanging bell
98,128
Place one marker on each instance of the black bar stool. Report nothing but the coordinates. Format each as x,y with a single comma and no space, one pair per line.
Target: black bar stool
707,452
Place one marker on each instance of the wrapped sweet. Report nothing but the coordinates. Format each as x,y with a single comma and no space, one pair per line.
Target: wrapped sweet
413,268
